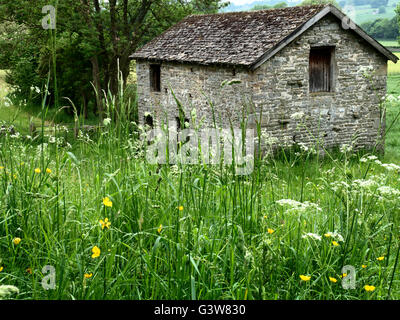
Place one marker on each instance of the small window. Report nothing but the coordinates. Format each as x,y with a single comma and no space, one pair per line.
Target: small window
321,69
148,120
155,77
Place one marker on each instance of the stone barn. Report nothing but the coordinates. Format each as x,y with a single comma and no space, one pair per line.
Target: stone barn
304,74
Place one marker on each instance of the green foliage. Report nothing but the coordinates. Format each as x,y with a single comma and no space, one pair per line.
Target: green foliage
382,28
91,44
248,237
314,2
266,7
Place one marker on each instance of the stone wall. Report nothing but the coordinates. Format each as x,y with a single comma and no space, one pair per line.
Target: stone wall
280,88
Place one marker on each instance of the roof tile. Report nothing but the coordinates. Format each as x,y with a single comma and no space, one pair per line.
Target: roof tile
236,38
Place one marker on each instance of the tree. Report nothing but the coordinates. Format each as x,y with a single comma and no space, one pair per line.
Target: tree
314,2
92,35
382,28
267,7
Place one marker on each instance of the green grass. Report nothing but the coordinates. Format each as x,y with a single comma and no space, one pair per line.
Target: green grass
233,239
393,68
389,43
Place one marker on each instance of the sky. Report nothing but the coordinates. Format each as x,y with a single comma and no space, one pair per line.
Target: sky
240,2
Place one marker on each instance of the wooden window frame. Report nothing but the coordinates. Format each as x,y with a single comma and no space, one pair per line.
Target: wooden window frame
322,58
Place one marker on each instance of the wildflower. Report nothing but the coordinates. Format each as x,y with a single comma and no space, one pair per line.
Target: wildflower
380,258
298,206
37,170
344,275
107,202
363,266
390,166
270,231
88,275
105,224
6,290
48,170
331,279
334,235
16,241
96,252
335,243
312,235
297,115
305,278
180,208
29,270
1,167
345,148
388,191
106,121
369,288
159,228
1,269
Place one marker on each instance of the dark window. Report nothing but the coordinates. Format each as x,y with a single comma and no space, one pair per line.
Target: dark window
148,120
155,77
321,69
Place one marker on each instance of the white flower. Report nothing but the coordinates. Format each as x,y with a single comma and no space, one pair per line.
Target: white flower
345,148
390,166
297,115
106,121
335,235
312,235
303,146
298,206
15,136
364,183
388,191
7,290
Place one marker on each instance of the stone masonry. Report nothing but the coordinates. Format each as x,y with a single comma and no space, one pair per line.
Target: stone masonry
278,89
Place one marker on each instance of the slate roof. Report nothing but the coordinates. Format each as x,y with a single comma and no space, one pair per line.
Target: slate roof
233,38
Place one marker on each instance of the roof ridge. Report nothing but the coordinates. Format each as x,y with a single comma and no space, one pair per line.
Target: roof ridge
244,38
256,11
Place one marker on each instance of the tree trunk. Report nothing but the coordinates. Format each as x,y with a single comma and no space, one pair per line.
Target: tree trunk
96,81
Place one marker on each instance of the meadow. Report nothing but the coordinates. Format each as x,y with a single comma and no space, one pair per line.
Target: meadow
114,226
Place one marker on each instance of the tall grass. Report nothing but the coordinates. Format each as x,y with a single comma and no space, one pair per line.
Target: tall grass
192,231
